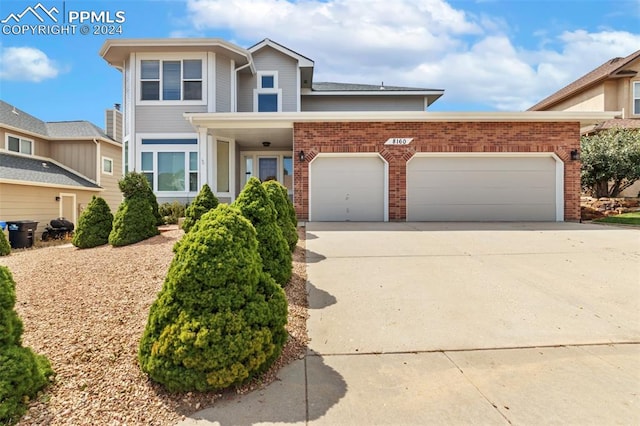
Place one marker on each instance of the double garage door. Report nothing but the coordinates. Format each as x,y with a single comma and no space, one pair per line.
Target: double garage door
439,188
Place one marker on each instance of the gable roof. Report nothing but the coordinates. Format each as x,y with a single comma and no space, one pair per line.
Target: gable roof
36,170
302,60
612,68
21,120
349,87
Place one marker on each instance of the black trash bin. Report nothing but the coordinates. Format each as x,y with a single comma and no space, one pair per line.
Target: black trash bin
21,233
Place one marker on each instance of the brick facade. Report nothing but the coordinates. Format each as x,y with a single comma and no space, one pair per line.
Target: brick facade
313,138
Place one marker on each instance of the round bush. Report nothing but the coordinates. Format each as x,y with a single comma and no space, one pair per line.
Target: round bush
204,201
219,319
281,204
22,372
5,247
134,183
255,205
94,225
133,222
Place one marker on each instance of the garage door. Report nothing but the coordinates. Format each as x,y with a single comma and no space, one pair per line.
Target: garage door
347,189
494,188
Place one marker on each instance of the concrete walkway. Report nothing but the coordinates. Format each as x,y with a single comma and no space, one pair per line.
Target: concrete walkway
440,323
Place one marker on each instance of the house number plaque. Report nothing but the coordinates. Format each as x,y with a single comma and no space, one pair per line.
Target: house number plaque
398,141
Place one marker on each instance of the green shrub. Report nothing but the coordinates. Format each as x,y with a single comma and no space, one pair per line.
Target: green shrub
94,224
134,183
133,222
204,201
219,319
171,212
22,372
293,217
281,203
5,247
255,205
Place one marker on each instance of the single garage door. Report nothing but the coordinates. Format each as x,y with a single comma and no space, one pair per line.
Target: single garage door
493,188
347,189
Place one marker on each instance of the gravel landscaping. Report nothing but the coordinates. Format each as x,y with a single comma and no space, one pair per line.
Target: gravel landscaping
86,311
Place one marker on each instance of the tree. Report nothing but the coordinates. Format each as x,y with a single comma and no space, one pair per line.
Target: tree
134,221
219,319
134,183
204,201
22,372
281,203
94,225
610,161
255,205
5,247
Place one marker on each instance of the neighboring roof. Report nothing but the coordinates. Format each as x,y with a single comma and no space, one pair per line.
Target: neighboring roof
625,123
349,87
39,170
612,68
18,119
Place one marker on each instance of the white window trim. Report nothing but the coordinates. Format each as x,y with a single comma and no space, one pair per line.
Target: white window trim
155,149
635,84
20,139
256,155
170,57
104,172
275,90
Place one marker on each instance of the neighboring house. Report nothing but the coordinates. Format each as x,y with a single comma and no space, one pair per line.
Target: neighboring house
202,111
52,169
613,86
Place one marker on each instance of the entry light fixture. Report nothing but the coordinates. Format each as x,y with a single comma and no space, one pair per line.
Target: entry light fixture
575,155
57,198
301,156
266,144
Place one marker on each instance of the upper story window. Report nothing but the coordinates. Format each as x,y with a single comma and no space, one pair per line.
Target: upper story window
19,144
171,80
107,166
636,97
267,96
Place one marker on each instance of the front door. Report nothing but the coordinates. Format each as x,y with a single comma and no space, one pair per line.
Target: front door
267,168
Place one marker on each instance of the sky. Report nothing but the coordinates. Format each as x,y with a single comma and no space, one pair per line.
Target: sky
487,55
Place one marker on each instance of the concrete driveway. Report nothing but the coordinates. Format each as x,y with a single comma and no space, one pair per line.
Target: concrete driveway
440,323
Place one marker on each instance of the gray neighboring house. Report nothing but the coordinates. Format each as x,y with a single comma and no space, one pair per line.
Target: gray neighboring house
53,169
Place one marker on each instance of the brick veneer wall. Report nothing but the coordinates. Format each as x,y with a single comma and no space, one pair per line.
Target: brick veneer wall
315,138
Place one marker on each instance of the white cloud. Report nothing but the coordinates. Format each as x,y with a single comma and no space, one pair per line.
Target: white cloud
26,64
419,43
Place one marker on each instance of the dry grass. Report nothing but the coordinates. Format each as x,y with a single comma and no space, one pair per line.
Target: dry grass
86,310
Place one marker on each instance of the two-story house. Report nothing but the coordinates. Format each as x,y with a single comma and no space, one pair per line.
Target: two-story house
613,86
208,111
52,169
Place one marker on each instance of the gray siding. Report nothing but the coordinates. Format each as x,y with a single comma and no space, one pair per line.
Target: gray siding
362,103
160,118
223,84
128,101
268,59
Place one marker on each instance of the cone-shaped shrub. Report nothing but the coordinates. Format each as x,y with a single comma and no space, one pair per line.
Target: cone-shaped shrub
291,210
219,319
22,372
5,247
204,201
281,204
133,222
94,224
255,205
134,183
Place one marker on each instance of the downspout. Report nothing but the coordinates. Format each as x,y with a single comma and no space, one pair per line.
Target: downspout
97,161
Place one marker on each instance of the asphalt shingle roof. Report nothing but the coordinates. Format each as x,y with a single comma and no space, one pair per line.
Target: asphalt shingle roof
349,87
612,66
17,167
14,117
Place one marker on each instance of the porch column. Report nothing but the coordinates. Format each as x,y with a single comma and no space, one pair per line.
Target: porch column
203,159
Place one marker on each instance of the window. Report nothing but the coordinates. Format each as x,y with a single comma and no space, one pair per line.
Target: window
18,144
636,97
193,171
180,80
171,171
267,96
107,165
147,167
